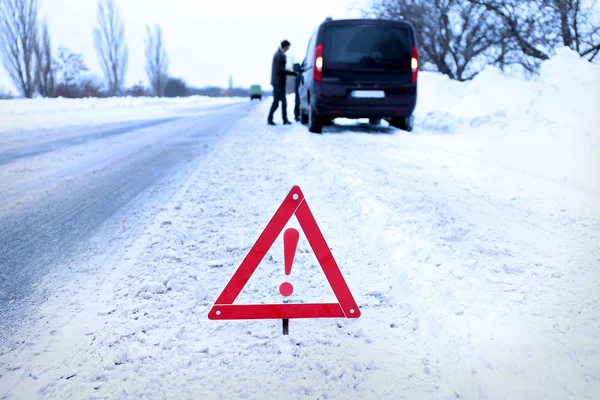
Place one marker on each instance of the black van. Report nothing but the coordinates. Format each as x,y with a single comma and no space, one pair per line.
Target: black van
360,68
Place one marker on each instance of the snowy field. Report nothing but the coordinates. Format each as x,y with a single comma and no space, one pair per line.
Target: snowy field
472,246
22,114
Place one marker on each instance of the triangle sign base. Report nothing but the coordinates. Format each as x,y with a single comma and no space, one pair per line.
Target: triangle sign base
276,311
293,204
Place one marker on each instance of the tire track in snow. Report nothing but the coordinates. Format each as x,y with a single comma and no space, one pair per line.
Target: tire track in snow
467,214
436,356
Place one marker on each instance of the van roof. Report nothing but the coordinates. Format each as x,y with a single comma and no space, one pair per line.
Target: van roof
369,21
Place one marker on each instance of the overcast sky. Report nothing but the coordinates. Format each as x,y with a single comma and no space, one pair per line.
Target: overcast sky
207,41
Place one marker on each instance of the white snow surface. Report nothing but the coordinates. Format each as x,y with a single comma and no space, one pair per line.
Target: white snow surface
29,114
471,246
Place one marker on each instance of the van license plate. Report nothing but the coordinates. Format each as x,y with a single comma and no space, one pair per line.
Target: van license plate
367,94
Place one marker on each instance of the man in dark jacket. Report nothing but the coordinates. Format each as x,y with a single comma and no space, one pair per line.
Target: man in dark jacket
278,80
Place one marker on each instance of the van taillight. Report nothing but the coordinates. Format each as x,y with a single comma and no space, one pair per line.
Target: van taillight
414,65
318,73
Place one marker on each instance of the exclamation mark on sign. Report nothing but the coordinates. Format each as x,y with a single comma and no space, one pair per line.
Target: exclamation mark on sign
290,243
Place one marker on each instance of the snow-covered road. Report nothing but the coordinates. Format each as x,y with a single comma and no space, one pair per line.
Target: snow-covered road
58,187
471,246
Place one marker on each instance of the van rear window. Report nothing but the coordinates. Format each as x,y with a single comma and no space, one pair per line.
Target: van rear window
368,46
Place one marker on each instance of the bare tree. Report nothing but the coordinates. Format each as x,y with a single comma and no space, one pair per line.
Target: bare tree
109,38
70,69
157,61
45,64
455,37
18,40
72,80
459,37
538,27
579,30
523,21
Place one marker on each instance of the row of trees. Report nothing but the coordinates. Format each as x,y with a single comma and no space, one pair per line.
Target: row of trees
28,56
460,37
456,37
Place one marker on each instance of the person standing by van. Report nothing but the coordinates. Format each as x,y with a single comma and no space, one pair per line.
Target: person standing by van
278,79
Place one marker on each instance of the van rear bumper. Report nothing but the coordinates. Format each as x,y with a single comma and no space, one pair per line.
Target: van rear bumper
364,111
334,101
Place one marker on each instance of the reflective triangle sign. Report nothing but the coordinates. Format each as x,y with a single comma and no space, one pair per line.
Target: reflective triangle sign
293,204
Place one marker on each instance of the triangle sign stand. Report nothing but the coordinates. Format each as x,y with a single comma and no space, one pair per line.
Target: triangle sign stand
293,204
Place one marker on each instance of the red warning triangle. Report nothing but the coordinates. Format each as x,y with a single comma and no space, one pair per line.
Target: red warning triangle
293,204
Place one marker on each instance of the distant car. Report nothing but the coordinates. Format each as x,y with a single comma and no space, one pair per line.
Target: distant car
360,68
256,92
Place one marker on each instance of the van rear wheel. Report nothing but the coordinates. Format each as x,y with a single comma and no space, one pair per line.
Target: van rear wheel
303,117
404,123
374,121
315,123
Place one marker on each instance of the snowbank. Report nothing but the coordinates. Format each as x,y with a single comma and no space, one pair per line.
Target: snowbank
29,114
559,110
566,94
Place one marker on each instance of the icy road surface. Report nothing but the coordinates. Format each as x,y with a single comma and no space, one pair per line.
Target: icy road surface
59,187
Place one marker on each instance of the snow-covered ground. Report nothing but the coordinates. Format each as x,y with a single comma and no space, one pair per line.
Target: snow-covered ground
471,245
23,114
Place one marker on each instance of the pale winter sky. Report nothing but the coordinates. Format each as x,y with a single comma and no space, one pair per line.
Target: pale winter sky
207,41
